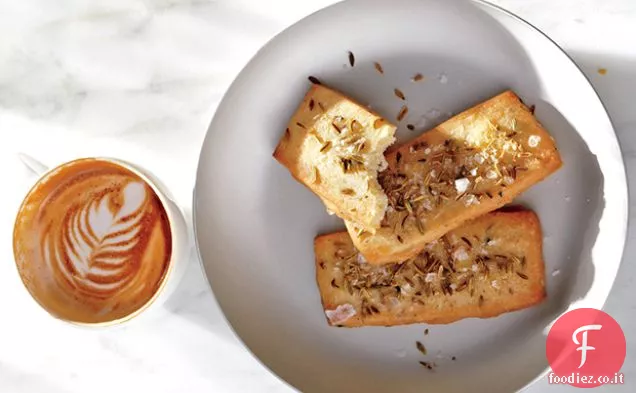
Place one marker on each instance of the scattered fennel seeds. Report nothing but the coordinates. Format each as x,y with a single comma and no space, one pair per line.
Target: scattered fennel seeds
314,80
403,112
420,347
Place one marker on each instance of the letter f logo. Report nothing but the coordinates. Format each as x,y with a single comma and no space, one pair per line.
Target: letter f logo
584,347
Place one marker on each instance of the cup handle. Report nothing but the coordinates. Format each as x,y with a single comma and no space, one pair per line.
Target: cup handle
34,165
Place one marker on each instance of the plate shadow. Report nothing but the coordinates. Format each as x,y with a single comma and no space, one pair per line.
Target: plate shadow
194,301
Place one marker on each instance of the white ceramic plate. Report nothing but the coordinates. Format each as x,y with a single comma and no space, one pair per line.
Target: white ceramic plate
255,225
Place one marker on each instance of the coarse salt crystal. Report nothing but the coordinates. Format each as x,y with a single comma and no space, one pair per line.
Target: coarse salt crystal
508,180
473,172
475,268
430,277
494,284
422,122
533,140
461,185
471,200
341,313
491,174
460,254
433,114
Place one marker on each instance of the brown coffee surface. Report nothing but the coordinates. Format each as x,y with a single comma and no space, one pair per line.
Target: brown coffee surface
92,242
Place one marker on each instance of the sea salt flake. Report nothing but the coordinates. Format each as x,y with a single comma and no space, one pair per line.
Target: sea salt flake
471,200
341,313
433,114
460,254
533,140
461,185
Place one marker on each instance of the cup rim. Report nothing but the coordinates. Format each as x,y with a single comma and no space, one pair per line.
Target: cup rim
163,197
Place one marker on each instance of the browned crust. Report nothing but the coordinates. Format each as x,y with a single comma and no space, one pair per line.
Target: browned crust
287,151
380,253
527,293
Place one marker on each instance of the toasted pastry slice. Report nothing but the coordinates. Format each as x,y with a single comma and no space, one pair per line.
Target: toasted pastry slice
472,164
489,266
335,147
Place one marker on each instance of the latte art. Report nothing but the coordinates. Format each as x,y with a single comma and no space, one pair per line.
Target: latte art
92,241
94,247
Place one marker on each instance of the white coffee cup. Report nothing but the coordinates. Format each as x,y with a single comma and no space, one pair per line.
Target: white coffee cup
180,240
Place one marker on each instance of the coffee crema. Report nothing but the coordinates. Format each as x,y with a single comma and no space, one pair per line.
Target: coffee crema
92,242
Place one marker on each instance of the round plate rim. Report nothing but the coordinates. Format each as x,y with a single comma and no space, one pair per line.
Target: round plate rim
493,7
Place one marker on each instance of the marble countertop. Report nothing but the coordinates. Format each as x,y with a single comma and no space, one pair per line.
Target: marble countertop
145,76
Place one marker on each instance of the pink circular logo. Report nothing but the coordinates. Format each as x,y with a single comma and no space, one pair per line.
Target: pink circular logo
586,348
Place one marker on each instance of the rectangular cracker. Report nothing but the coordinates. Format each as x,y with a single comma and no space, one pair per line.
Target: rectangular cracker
489,266
472,164
335,147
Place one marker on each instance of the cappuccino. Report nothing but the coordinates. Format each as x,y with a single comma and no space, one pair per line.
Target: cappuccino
92,242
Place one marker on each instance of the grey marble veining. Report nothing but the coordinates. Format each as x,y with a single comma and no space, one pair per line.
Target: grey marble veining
78,77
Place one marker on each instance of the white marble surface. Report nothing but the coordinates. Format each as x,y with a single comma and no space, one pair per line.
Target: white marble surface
143,77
